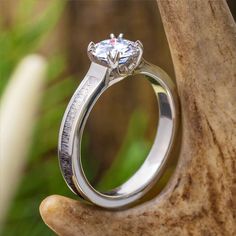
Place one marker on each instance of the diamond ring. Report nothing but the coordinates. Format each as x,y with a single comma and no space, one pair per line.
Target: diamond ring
113,60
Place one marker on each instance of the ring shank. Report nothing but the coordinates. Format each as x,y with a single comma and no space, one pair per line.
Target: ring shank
151,170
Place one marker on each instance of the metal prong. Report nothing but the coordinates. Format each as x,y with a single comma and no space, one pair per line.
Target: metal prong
109,58
112,36
120,35
91,46
139,44
113,61
117,57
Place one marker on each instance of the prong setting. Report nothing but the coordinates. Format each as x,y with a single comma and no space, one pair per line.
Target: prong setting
120,36
120,55
113,61
91,47
112,36
139,44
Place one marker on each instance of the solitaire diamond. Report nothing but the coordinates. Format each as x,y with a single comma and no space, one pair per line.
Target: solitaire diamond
116,53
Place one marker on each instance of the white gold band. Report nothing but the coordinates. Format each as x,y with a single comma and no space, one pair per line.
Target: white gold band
98,79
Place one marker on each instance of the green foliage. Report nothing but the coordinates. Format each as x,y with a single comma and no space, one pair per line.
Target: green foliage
131,154
25,35
41,176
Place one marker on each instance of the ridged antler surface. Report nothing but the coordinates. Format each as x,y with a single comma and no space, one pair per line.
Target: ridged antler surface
200,199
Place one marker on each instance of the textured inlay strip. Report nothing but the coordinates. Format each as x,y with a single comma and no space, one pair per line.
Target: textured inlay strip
64,155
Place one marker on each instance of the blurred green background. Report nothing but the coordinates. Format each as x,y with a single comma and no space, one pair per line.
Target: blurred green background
122,125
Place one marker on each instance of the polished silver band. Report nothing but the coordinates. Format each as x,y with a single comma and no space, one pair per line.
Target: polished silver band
97,80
